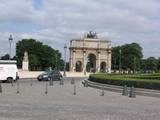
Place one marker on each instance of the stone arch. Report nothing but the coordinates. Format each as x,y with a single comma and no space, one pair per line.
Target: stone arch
103,66
80,49
78,66
91,62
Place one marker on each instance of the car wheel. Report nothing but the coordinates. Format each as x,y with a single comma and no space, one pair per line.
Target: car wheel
10,80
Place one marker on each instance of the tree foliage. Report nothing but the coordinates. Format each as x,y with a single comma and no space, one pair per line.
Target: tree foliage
150,64
40,56
127,57
5,57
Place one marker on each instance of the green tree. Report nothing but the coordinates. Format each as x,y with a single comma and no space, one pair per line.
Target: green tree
151,64
5,57
127,56
115,57
158,64
143,65
34,63
40,56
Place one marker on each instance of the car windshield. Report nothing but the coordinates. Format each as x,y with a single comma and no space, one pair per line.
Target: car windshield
49,72
45,73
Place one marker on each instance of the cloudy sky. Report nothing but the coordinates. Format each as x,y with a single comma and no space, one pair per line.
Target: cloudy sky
55,22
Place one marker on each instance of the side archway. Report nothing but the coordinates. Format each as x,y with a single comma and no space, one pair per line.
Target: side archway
103,67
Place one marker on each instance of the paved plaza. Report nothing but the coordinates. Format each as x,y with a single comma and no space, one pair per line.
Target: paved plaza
31,103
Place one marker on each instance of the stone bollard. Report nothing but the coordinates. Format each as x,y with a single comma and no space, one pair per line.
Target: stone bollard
132,93
12,82
51,81
61,82
83,82
46,88
0,87
72,81
86,83
18,88
102,93
125,90
74,90
31,82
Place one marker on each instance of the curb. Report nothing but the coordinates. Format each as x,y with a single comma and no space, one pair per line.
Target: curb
119,89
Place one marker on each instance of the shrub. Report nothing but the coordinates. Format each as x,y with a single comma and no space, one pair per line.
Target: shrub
139,81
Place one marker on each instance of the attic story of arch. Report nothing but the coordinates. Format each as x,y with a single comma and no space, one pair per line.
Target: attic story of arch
90,54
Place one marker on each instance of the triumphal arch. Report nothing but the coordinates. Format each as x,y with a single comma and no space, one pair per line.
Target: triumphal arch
90,54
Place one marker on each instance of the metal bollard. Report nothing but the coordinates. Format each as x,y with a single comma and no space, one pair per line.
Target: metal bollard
12,82
102,93
0,88
72,81
83,82
31,83
125,90
61,82
46,89
18,88
132,93
86,83
74,90
51,82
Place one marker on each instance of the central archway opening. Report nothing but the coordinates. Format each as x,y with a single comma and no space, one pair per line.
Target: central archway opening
78,66
91,63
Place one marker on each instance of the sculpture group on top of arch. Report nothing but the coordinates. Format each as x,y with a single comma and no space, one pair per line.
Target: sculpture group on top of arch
90,54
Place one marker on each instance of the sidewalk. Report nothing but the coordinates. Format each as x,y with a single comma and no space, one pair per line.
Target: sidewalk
34,74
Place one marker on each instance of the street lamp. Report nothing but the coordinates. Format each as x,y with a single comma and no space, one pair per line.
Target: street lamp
134,70
120,65
56,60
65,48
10,42
85,64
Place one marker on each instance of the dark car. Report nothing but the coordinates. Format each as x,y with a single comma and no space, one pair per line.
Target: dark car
48,75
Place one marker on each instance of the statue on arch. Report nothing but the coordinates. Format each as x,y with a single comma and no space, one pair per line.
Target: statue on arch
92,34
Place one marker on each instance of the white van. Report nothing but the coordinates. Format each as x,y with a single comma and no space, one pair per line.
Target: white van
8,70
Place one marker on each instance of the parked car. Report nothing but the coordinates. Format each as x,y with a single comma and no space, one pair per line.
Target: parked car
48,75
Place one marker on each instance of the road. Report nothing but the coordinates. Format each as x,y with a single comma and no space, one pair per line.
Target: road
31,103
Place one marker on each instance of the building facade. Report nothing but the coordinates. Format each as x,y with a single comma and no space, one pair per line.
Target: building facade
90,55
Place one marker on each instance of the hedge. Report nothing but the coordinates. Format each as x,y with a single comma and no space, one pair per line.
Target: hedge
129,80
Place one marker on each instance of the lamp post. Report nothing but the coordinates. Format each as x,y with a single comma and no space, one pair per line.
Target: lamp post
85,64
120,65
56,60
134,70
10,42
65,48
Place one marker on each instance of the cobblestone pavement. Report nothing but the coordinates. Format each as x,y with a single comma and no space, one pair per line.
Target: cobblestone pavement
60,104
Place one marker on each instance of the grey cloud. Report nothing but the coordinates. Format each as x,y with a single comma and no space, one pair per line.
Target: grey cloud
19,10
122,21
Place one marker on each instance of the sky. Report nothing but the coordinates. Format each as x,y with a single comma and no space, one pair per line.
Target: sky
56,22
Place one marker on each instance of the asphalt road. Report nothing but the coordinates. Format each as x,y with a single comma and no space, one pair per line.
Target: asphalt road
31,103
